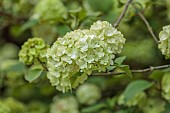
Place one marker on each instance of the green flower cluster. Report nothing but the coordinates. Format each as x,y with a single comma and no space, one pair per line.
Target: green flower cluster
32,51
138,98
50,10
88,94
166,86
10,105
79,52
164,45
152,105
64,105
18,7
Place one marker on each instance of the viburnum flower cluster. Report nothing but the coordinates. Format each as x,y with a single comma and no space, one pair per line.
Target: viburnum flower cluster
80,52
33,50
50,10
88,94
166,86
164,45
64,105
138,98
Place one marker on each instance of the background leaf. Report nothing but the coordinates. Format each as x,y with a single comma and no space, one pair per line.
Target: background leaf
136,87
167,108
126,69
33,74
120,60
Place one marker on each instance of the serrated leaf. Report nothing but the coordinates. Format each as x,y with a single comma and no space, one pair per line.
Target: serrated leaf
33,74
120,60
126,69
135,87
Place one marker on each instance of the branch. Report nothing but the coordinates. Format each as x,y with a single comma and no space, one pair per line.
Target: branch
11,17
147,24
134,71
122,14
43,65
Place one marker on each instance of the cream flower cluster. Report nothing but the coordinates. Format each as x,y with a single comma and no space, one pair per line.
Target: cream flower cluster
64,105
166,86
32,50
79,52
88,94
164,45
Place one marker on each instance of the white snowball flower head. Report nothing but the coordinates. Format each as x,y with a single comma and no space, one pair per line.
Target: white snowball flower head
164,45
79,52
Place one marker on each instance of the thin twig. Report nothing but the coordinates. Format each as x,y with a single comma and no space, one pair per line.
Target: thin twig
11,17
134,71
147,24
43,65
122,14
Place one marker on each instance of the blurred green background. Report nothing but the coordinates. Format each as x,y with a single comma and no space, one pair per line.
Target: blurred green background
50,19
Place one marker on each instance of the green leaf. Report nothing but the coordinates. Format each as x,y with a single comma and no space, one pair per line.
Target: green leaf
122,111
157,75
126,69
120,60
18,67
167,108
99,5
75,10
33,74
135,87
110,68
111,101
28,25
62,29
94,108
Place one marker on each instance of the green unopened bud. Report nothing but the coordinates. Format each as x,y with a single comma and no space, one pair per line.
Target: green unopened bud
152,105
139,97
50,11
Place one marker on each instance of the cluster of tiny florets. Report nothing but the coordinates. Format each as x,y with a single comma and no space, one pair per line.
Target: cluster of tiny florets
32,51
166,87
50,10
64,105
138,98
79,52
10,105
88,94
152,105
164,44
